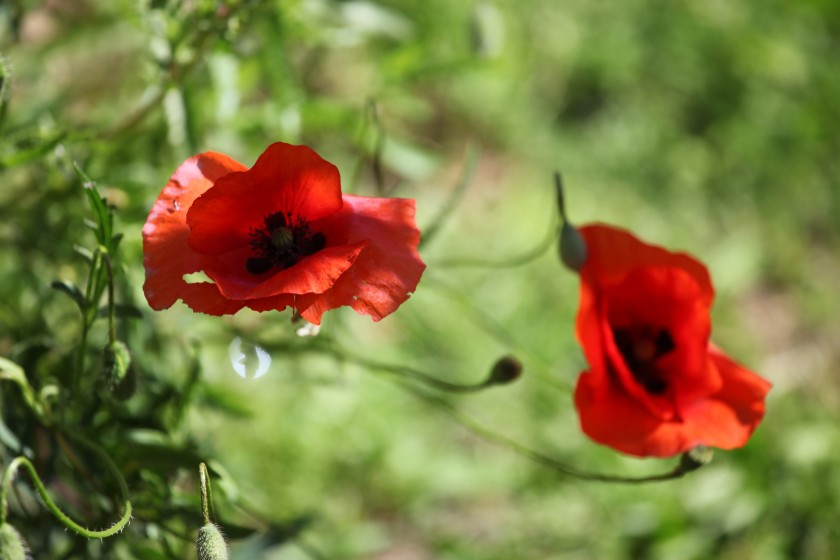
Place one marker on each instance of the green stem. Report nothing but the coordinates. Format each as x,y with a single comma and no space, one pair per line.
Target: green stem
10,371
11,470
80,353
207,512
112,324
405,372
561,202
510,262
514,261
486,433
430,231
536,456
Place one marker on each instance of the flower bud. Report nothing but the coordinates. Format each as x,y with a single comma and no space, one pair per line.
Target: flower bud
695,458
116,363
12,545
211,544
572,247
505,370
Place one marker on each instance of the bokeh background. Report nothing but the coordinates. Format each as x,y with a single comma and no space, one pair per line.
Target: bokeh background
706,126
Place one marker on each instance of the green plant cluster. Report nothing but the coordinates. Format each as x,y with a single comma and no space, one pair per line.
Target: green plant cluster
704,126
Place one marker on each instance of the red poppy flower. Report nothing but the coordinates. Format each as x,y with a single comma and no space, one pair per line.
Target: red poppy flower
278,235
656,385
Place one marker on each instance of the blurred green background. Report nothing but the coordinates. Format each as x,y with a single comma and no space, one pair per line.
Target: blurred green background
706,126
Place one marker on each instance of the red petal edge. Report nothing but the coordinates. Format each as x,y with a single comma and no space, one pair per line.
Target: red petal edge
386,271
284,178
167,256
725,420
613,252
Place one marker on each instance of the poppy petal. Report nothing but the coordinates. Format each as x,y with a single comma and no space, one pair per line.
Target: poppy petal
613,252
656,385
285,178
614,418
725,420
388,268
313,274
732,415
167,256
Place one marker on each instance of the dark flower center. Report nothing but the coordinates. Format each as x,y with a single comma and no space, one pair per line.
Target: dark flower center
281,242
641,348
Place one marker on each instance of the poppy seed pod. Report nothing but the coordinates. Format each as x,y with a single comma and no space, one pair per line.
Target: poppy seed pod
12,545
211,544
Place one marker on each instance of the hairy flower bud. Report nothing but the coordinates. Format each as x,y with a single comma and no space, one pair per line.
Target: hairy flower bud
12,545
116,366
211,544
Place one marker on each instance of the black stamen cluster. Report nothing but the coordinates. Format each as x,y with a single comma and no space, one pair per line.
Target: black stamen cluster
274,247
645,370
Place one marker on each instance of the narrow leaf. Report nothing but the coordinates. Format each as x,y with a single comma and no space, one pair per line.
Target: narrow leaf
71,290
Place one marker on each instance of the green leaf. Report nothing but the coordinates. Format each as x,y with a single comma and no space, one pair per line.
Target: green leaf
10,371
84,252
122,310
39,147
115,240
71,290
104,219
161,457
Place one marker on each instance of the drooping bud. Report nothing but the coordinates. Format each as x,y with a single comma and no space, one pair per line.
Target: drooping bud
572,246
505,370
116,365
695,458
211,544
12,545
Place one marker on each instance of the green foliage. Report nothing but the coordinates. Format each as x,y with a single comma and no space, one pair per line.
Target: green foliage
708,126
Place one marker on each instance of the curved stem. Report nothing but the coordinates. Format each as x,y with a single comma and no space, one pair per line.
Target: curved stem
405,372
511,262
550,462
12,468
431,230
500,332
561,202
